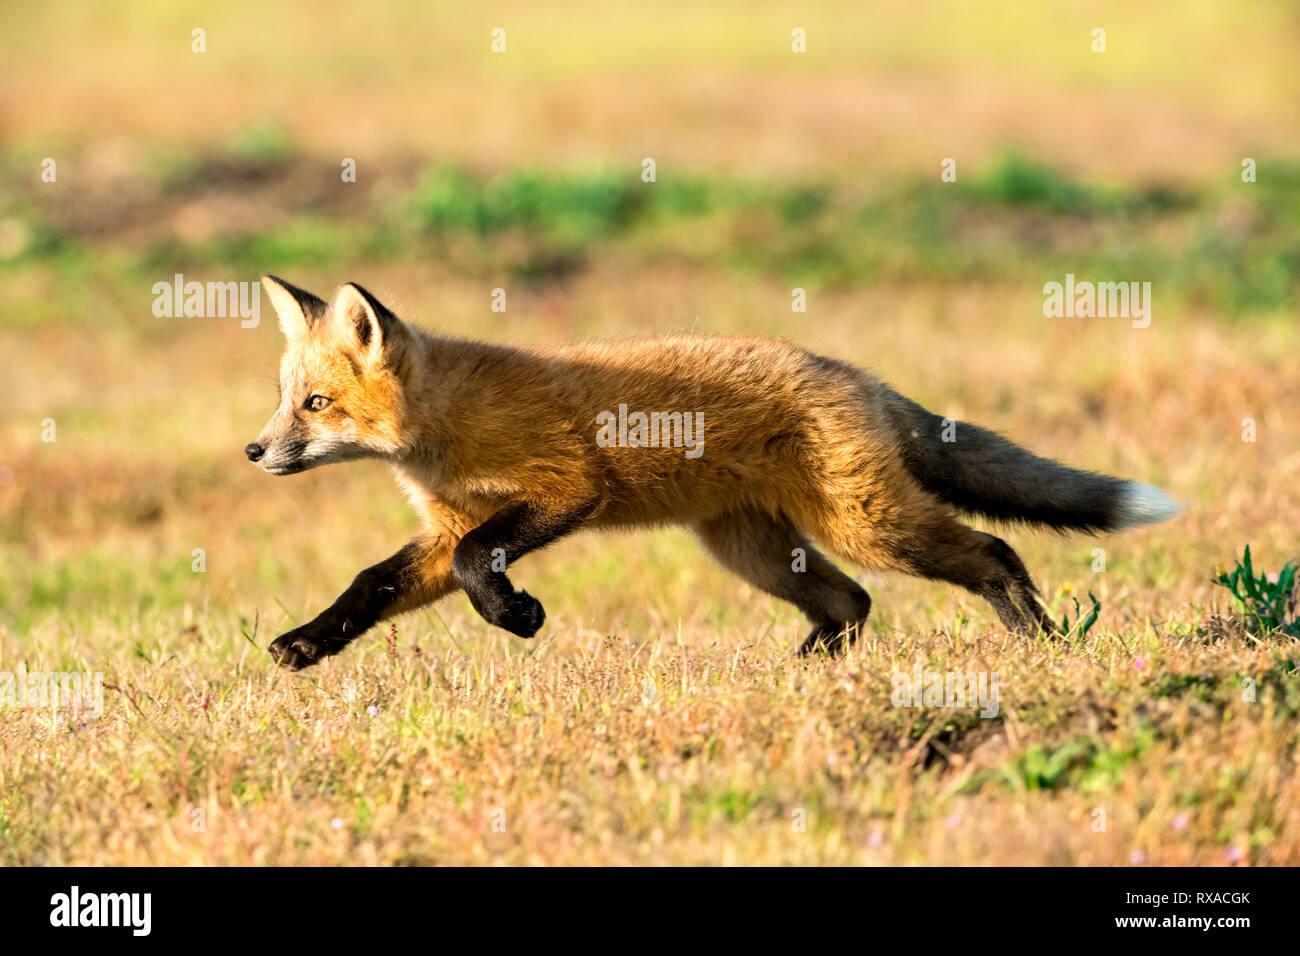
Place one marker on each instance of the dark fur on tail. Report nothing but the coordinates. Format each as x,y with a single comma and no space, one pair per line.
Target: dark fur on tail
980,472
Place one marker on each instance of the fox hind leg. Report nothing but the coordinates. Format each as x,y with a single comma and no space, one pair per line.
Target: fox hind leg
770,553
943,549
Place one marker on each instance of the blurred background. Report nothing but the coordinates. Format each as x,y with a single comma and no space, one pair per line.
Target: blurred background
521,169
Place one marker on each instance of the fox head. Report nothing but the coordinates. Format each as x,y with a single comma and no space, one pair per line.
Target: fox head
341,387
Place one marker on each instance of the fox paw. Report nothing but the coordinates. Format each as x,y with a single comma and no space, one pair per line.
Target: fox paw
301,648
521,614
833,640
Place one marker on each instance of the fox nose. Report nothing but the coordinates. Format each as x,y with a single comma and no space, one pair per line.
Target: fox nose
254,451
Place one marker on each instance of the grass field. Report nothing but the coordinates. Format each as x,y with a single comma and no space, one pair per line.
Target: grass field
661,715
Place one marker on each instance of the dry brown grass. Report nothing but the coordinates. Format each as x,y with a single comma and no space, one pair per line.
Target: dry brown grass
739,734
600,750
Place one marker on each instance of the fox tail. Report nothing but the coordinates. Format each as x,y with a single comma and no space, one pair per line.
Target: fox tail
980,472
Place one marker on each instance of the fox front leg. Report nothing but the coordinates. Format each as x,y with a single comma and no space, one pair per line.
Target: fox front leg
481,558
417,574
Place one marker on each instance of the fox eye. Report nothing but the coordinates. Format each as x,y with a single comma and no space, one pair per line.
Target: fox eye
318,403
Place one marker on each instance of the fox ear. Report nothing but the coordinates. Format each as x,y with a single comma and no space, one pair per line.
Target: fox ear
299,310
365,321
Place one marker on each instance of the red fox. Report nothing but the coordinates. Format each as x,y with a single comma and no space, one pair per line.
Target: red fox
758,446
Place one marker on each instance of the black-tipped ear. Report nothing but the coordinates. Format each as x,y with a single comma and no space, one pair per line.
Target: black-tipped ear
366,319
298,309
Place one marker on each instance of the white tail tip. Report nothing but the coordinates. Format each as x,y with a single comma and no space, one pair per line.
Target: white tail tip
1141,504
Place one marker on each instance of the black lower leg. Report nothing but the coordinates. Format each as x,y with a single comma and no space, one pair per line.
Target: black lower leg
834,637
770,552
1014,596
482,556
355,611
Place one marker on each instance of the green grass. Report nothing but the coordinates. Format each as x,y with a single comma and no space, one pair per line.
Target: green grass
1232,248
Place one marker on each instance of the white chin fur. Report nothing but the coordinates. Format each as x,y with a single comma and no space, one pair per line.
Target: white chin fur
1141,504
